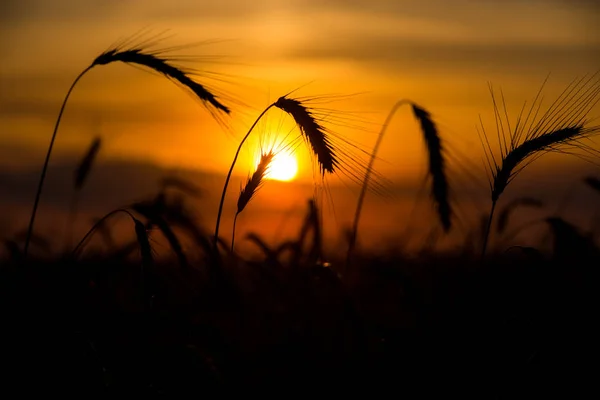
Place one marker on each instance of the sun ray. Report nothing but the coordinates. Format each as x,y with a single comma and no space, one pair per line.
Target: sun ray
284,166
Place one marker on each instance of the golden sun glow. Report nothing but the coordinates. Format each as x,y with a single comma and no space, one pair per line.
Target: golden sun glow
284,167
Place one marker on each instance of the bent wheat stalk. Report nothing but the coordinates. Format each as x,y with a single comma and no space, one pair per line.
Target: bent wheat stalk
436,169
153,60
228,178
310,129
95,227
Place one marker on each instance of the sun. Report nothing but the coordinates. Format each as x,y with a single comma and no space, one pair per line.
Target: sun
284,167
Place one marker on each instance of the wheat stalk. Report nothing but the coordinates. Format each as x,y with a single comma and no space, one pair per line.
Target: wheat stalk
513,162
154,60
563,125
81,173
254,181
143,241
252,185
85,166
508,169
439,187
436,168
235,157
95,227
311,130
151,210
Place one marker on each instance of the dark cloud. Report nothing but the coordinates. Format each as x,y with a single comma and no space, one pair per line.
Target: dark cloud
460,57
15,11
440,7
79,112
204,10
114,183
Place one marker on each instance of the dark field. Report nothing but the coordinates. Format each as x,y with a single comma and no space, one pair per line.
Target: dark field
520,325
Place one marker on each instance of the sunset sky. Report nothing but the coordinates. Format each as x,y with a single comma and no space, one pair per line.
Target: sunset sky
440,54
368,54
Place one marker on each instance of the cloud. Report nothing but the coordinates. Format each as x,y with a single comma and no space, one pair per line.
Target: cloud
460,42
47,110
98,11
401,55
14,11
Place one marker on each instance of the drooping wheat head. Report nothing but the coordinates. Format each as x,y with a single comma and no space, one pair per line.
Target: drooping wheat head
437,172
153,211
80,176
312,131
99,223
333,152
155,60
85,166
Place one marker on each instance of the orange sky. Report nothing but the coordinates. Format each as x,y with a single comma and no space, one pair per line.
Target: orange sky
440,54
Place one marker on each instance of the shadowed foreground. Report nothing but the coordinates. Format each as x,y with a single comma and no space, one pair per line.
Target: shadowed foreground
484,321
518,326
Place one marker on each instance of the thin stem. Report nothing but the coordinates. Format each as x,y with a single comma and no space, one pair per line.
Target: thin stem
95,227
71,221
45,168
233,234
229,177
487,231
363,191
404,239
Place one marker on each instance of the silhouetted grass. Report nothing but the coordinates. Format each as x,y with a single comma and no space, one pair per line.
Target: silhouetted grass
125,321
252,185
154,60
563,126
436,170
393,322
312,131
157,62
81,173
